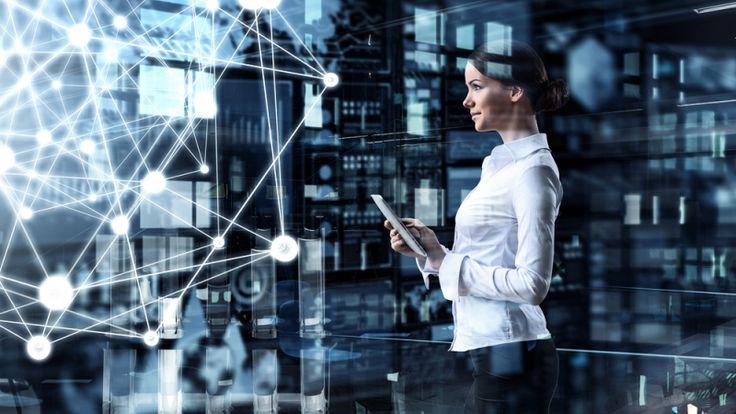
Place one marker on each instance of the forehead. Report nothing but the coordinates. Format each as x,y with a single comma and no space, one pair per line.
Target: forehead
471,72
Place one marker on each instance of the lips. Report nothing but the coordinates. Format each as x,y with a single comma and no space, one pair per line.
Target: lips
474,114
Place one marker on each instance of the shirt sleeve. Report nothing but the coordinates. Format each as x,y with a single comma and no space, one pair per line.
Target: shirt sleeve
426,269
535,199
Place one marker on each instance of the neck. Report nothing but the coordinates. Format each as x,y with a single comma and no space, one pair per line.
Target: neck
520,127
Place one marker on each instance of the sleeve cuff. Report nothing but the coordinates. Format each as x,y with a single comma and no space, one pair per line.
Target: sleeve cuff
450,275
422,265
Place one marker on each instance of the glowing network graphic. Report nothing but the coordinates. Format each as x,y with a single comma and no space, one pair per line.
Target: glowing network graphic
62,65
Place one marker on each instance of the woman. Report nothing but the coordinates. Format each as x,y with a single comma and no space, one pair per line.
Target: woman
499,269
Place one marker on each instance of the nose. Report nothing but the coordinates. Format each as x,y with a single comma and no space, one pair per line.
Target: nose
467,102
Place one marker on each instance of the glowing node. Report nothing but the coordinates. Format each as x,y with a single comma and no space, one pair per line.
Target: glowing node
24,81
120,22
151,338
213,5
25,213
79,35
205,105
270,4
120,225
250,4
330,79
87,146
92,197
154,182
218,242
43,137
56,84
7,158
204,169
38,348
111,54
284,249
56,293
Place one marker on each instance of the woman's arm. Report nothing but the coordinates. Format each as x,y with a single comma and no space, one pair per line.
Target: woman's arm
535,199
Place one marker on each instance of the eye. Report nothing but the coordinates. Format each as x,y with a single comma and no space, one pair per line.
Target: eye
475,86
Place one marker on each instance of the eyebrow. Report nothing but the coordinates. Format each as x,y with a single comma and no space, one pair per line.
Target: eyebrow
473,80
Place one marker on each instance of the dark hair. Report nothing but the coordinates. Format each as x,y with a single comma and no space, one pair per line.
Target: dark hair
514,63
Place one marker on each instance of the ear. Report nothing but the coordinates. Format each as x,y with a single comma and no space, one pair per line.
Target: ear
517,93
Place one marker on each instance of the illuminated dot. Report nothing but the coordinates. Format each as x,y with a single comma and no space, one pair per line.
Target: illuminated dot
284,249
79,35
120,225
250,4
120,22
151,338
56,84
56,293
87,146
7,158
218,242
213,5
154,182
43,137
331,79
24,81
25,213
38,348
111,54
205,105
270,4
204,169
92,197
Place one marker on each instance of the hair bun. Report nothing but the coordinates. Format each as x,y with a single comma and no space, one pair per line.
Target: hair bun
553,95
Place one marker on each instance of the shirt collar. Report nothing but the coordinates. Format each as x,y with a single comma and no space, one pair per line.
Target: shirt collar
520,148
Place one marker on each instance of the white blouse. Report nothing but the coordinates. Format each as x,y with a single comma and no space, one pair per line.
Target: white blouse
500,266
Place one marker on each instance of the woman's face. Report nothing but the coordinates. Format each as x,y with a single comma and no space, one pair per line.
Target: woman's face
488,100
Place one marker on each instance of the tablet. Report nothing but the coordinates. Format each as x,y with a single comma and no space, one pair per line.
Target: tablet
398,225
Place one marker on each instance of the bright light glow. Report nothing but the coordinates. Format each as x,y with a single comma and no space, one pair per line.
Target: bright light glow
120,225
154,183
79,35
151,338
331,79
204,169
87,146
25,213
284,249
38,348
270,4
218,242
92,197
213,5
56,293
120,22
205,105
56,84
7,158
112,54
43,137
24,81
250,4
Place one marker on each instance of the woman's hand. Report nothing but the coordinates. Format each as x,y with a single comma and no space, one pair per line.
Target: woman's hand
424,235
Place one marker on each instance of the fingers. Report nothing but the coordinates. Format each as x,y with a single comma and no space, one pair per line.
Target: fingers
387,224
